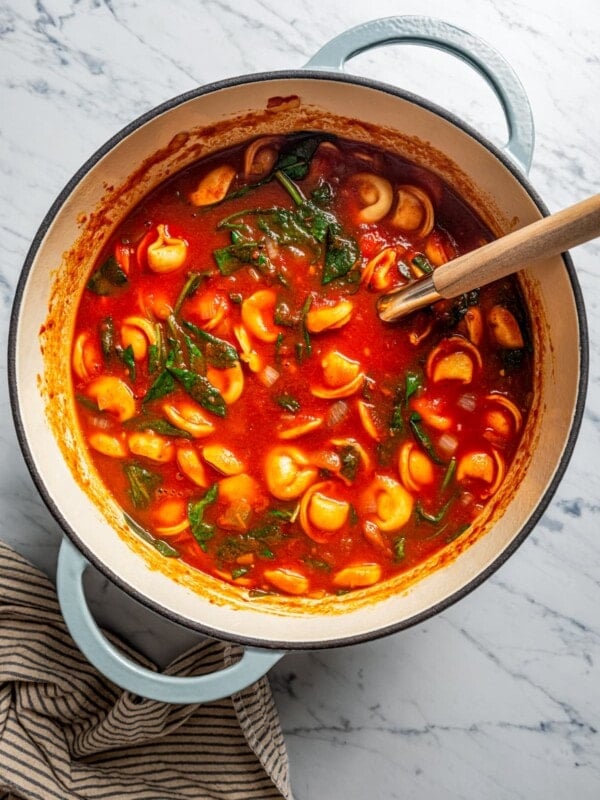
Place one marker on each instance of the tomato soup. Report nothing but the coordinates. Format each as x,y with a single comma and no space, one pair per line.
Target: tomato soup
243,402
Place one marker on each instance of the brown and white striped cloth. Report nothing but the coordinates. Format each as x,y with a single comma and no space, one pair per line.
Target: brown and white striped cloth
66,732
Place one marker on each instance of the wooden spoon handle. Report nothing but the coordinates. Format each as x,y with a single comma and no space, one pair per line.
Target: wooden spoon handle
542,239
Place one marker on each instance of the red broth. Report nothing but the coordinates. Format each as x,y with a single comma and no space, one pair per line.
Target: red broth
243,402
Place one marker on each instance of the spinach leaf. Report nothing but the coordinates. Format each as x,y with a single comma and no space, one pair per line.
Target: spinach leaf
164,548
202,531
154,358
87,402
317,563
287,402
322,194
341,254
282,513
449,474
422,263
201,390
163,385
423,438
108,278
460,306
284,315
196,359
399,546
191,285
413,382
350,459
180,353
257,540
142,484
156,424
288,184
269,530
399,404
315,221
129,360
433,519
107,337
184,353
235,256
294,161
283,226
217,351
234,222
305,345
458,532
239,572
397,418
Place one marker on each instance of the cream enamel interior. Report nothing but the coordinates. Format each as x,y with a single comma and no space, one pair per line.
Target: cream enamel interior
500,198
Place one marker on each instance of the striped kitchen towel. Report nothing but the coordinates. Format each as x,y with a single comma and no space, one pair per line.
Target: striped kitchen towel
67,732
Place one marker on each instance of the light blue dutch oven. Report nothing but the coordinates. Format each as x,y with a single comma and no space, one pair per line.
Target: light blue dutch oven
321,96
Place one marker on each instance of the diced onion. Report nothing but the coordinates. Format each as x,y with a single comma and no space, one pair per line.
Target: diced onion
447,443
269,375
467,499
467,402
272,249
337,413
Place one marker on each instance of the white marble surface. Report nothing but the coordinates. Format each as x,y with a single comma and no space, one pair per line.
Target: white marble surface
499,696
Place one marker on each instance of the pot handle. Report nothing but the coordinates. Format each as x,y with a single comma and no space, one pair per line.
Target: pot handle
128,674
443,36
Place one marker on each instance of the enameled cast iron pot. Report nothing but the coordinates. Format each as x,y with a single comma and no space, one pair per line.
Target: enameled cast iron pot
168,138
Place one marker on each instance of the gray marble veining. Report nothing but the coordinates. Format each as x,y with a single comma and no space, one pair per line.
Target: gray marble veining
500,695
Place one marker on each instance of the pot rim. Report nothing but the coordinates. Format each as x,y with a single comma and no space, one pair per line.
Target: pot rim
134,592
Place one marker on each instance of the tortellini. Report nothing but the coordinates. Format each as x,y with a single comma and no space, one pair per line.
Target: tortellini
167,253
114,395
214,186
245,404
288,472
387,503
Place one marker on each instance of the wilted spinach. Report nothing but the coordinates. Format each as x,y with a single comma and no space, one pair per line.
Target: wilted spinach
108,278
142,483
202,531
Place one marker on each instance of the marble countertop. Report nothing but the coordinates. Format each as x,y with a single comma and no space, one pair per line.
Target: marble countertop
499,696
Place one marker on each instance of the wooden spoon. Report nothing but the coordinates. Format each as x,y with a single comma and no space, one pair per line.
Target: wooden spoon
542,239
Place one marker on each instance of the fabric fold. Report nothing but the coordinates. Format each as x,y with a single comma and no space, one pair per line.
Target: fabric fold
67,732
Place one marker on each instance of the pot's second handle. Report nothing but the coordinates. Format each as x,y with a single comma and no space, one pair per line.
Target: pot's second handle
443,36
131,676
